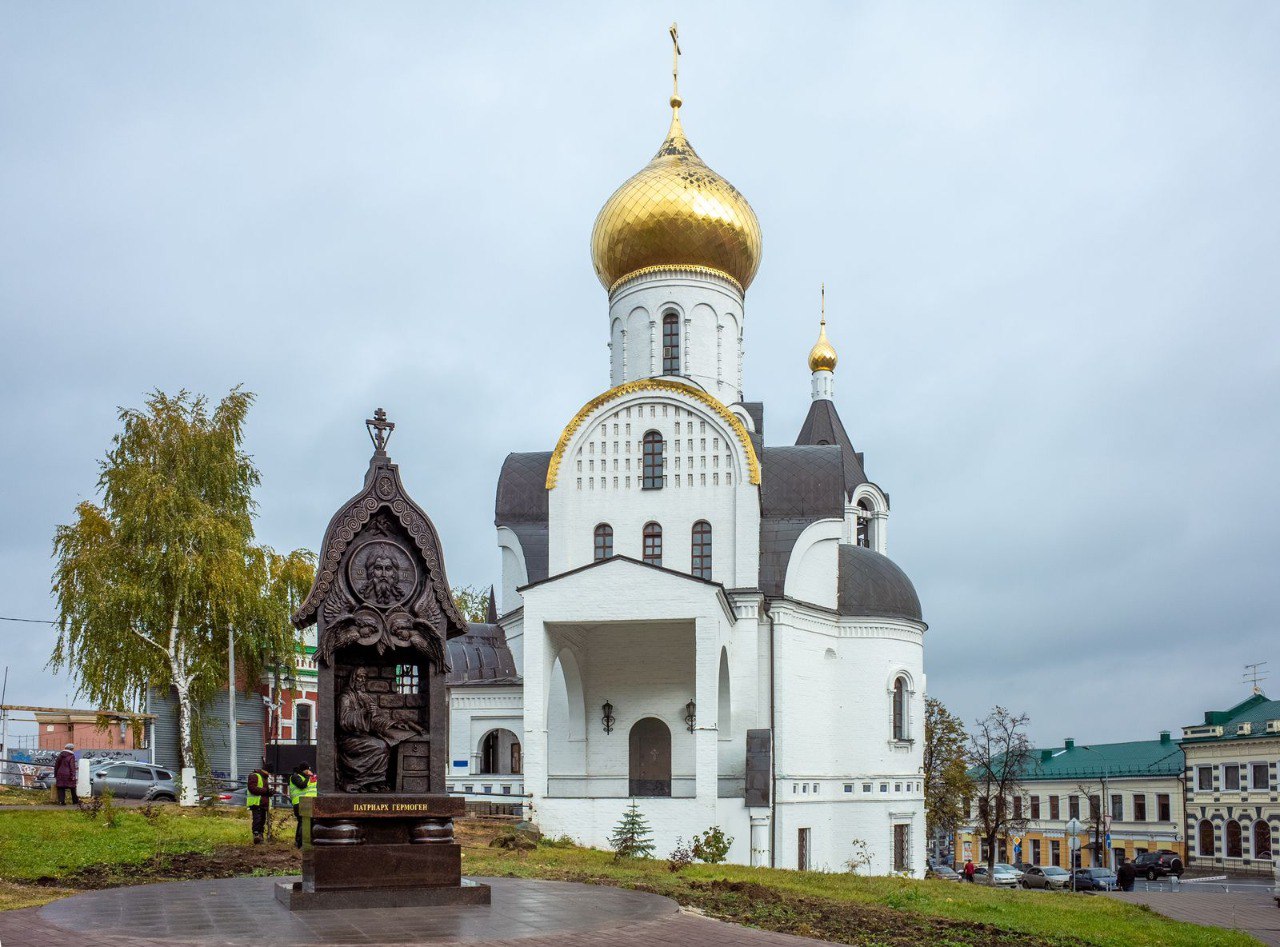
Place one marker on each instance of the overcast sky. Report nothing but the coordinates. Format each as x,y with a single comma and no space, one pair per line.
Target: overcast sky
1049,234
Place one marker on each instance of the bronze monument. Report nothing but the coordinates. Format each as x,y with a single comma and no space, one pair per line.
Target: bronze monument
380,832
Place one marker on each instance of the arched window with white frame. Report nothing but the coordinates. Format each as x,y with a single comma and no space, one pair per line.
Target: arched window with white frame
901,710
671,344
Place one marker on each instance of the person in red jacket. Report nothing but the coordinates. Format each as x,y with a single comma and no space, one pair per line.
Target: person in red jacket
64,775
969,869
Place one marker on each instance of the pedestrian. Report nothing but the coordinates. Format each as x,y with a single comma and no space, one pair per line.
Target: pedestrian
969,869
1125,875
258,799
64,775
303,784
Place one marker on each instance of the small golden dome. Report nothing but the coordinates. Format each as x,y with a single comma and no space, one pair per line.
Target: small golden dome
822,357
676,212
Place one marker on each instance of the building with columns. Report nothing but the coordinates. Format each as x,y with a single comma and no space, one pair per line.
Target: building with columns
698,620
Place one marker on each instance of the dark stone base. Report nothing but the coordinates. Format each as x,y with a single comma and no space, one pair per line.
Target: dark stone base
291,895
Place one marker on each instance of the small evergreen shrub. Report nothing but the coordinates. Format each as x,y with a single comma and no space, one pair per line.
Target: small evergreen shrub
632,837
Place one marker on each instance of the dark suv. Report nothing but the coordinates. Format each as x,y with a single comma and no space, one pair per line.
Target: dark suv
1157,864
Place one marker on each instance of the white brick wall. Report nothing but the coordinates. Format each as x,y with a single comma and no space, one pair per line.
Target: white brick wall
710,312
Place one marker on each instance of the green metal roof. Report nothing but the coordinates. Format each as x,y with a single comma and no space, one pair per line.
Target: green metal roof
1255,709
1112,760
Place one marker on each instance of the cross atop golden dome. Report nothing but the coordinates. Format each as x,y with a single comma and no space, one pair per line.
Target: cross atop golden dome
822,357
676,212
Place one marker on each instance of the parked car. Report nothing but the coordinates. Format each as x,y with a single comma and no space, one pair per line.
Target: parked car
1050,877
1153,865
942,873
1094,879
131,780
1007,867
1005,876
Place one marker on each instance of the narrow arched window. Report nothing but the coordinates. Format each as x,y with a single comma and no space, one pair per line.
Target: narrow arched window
702,549
1261,839
864,524
651,447
604,541
900,710
671,344
1206,845
1235,840
653,544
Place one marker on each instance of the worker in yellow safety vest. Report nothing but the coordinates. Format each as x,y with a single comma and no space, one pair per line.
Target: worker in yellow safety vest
258,799
303,784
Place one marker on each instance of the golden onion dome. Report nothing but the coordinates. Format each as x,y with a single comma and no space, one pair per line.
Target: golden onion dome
822,357
676,212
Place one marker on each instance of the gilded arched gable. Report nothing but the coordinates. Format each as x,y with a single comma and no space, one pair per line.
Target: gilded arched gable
691,398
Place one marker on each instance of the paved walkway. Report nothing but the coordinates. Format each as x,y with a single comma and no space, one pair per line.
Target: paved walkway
235,912
1255,913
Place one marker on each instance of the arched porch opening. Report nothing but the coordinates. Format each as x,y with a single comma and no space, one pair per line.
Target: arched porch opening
724,710
500,753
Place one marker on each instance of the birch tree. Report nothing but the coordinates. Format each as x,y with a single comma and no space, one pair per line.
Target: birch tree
150,580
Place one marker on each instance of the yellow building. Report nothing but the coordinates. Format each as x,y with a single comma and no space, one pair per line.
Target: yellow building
1128,797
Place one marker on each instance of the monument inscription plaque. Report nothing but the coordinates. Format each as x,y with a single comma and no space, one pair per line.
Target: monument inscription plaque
381,827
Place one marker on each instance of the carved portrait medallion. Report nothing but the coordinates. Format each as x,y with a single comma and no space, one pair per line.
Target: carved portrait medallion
382,574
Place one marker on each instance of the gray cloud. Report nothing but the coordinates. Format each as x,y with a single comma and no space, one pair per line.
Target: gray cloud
1049,236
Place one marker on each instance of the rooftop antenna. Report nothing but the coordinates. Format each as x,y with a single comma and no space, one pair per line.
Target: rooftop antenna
1253,674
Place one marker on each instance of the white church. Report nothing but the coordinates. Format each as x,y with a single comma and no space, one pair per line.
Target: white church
688,617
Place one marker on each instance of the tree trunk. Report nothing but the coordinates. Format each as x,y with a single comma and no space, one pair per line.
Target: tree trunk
182,684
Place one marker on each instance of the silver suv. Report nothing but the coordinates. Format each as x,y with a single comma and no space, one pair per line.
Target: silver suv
128,780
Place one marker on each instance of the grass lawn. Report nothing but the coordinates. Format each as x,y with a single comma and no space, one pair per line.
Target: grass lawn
809,903
48,854
53,845
12,796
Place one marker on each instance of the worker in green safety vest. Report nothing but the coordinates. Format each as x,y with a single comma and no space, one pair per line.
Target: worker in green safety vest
303,784
258,799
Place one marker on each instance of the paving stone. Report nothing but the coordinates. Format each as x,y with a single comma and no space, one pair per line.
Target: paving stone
243,912
1254,913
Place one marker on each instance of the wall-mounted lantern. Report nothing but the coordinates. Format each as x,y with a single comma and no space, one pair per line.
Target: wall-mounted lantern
606,717
690,715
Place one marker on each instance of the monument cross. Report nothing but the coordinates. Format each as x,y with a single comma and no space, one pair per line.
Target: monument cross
379,429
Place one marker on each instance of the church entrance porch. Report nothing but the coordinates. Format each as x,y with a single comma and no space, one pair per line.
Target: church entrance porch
627,678
645,673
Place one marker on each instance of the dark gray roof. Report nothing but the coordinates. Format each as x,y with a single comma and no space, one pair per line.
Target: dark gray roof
481,656
521,506
872,585
799,485
822,425
756,410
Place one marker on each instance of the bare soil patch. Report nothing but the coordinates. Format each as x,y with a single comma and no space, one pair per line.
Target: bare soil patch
225,861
